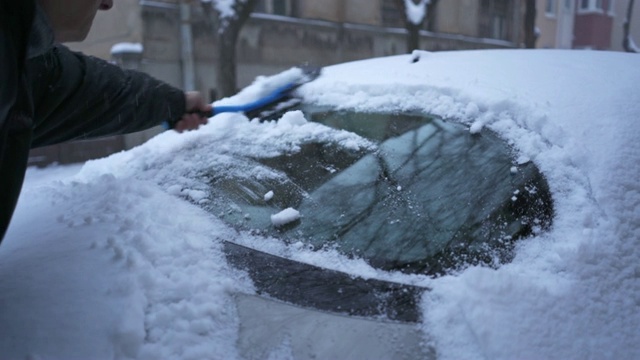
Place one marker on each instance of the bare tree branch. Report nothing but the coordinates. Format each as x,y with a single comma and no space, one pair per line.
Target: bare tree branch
227,20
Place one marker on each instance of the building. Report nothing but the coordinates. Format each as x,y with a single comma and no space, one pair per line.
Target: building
555,21
284,33
620,13
593,24
174,40
584,24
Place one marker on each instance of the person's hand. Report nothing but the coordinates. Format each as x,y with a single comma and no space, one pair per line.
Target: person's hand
194,116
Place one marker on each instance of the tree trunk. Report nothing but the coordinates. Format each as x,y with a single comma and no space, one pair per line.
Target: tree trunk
413,30
626,40
226,71
530,35
413,38
227,30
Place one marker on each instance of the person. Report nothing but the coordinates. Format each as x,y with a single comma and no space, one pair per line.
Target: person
50,94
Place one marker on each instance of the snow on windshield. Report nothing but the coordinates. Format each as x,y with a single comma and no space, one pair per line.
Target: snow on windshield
182,163
156,285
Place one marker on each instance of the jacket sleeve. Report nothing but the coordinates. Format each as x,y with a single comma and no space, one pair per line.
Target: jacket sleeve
80,97
15,22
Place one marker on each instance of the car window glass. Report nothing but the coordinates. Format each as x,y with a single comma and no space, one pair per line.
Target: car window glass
430,198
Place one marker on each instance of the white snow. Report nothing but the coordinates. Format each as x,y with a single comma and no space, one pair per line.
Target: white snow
223,7
268,196
127,48
573,292
116,262
416,13
285,216
263,86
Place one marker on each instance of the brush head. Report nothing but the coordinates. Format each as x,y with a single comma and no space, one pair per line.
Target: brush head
309,73
284,99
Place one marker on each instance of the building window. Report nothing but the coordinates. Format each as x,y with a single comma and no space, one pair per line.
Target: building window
550,7
499,27
594,5
281,7
610,6
276,7
391,14
496,19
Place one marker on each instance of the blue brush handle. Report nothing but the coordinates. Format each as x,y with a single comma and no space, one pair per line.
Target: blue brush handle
275,95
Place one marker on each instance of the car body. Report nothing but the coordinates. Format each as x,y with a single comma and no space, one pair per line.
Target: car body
433,205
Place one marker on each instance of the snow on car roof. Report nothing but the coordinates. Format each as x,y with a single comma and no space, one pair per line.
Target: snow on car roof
571,292
575,114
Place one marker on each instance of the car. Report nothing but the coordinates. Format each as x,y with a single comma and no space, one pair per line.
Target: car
464,204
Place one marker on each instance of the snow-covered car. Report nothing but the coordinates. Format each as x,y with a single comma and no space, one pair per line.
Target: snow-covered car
473,204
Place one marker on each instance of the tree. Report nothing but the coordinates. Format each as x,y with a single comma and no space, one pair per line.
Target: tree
530,33
227,18
415,14
627,41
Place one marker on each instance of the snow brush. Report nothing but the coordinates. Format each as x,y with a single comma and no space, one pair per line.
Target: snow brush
269,106
276,101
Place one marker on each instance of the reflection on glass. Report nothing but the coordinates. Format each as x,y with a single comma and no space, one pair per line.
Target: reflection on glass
431,198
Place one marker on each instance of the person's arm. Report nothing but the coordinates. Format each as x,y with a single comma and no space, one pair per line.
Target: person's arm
81,97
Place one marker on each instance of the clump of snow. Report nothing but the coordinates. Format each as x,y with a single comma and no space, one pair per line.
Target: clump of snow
268,196
263,86
292,119
285,216
225,8
416,12
127,48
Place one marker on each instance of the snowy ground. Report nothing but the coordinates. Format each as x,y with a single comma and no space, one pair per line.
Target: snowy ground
104,262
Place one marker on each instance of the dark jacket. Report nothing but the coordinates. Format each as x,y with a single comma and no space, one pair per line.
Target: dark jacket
57,95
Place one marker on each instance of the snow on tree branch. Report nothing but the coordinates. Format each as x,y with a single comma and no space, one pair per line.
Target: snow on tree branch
416,13
226,9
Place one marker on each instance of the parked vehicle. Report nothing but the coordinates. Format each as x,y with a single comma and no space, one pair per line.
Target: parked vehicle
464,204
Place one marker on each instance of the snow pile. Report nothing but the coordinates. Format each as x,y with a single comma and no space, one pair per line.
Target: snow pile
285,217
127,48
119,275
